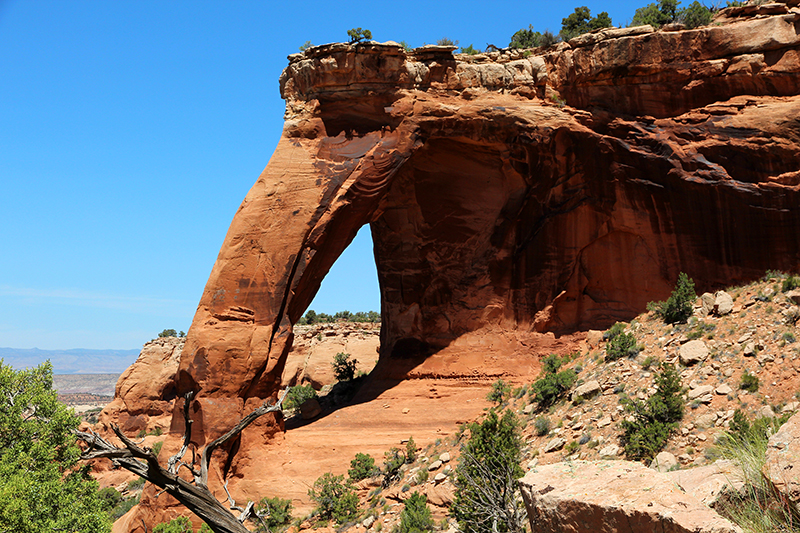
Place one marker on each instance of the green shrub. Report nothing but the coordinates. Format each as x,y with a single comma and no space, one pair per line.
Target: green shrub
654,420
297,395
344,368
444,41
168,333
532,39
411,450
274,512
788,337
695,15
678,307
416,516
123,507
136,484
177,525
648,362
749,382
361,467
335,498
469,50
790,283
110,498
422,476
581,21
553,384
542,426
664,12
500,392
487,496
157,447
620,344
392,461
357,35
572,447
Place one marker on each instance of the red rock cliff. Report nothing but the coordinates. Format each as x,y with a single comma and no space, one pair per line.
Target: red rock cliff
507,194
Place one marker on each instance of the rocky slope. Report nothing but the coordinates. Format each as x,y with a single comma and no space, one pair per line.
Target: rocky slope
516,199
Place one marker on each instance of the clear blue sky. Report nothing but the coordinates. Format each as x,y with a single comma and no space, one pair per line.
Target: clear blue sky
130,131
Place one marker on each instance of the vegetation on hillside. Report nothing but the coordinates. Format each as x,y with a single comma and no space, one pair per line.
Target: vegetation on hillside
312,317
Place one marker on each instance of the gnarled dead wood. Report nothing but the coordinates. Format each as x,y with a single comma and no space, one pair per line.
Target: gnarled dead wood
194,495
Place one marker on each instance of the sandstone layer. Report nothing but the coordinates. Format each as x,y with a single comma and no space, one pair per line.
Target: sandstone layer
511,197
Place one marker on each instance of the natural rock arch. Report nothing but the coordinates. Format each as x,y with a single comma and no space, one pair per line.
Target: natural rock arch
497,212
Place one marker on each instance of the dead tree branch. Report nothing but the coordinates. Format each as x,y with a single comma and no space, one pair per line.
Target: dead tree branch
194,495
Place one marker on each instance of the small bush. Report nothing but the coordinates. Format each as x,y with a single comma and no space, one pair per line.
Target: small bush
110,497
344,368
411,450
167,333
157,447
542,426
532,39
357,35
136,484
655,419
553,384
444,41
788,337
469,50
487,496
422,476
275,512
335,498
416,516
790,283
572,447
123,507
392,461
361,467
678,307
620,344
749,382
500,392
648,362
177,525
298,395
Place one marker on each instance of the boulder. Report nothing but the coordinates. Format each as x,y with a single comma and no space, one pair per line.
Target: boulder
612,450
586,391
783,456
724,390
664,462
706,303
445,457
700,392
693,352
435,465
310,409
611,496
723,303
554,445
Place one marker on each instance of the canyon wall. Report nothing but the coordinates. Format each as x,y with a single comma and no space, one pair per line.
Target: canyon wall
511,196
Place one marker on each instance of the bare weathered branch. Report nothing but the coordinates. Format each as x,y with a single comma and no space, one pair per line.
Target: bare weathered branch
205,457
196,497
187,435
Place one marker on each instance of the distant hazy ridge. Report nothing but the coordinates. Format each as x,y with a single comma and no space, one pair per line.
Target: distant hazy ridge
75,361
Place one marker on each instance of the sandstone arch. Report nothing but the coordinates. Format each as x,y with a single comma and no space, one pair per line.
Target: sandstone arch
498,212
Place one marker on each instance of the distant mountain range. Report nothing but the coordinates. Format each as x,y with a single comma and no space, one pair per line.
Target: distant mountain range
75,361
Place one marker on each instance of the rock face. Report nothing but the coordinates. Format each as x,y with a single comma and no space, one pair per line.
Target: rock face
146,391
507,196
609,496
